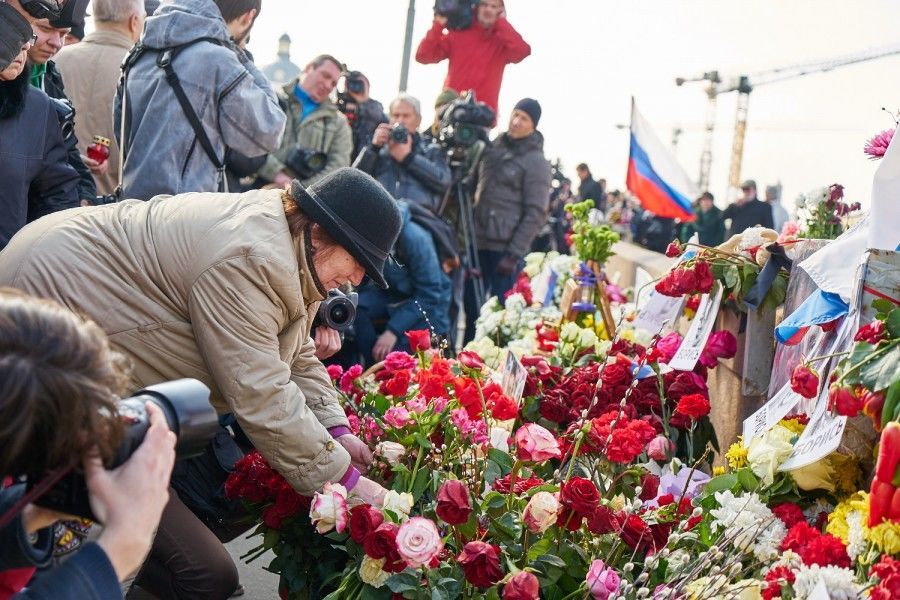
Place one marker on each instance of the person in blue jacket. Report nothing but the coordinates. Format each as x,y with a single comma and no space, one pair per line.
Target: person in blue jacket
419,287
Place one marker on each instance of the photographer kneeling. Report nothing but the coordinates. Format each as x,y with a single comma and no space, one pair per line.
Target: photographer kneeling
58,383
223,288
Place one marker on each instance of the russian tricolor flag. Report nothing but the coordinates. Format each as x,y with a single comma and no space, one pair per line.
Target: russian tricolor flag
654,176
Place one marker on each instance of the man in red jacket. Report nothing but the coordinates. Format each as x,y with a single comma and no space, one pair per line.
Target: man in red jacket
478,54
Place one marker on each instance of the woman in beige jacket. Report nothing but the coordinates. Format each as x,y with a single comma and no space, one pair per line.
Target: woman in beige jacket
223,288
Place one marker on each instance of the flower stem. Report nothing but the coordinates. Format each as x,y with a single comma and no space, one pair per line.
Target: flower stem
412,478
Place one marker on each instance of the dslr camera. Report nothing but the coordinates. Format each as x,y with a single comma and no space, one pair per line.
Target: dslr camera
465,122
305,163
399,134
185,404
65,112
459,13
353,84
337,311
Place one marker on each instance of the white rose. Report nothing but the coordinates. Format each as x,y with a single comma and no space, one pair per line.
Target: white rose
399,504
328,509
569,332
588,338
500,439
371,572
391,452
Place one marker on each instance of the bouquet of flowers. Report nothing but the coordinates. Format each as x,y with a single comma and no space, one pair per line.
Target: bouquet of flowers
823,213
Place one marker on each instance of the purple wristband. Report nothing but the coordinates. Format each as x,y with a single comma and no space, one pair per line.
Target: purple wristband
350,478
339,430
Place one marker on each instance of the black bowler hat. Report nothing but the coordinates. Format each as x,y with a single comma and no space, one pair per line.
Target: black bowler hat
358,214
71,15
15,32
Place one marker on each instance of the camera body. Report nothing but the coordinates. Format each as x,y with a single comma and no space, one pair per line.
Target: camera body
43,9
337,311
399,134
354,83
185,404
65,112
459,13
305,163
464,122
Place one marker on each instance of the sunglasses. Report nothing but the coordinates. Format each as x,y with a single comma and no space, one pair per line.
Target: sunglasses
43,9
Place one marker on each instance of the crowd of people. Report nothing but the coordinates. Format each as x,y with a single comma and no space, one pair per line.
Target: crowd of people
212,216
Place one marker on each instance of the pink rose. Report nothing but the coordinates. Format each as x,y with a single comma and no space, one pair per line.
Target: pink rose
416,405
418,541
541,512
522,586
721,344
660,448
328,509
602,582
536,444
397,417
668,345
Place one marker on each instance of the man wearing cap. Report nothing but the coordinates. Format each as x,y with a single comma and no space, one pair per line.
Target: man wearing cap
512,200
748,211
367,116
51,36
223,288
91,69
477,55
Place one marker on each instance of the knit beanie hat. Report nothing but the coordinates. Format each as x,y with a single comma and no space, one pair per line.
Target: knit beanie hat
15,32
445,98
357,213
71,15
531,107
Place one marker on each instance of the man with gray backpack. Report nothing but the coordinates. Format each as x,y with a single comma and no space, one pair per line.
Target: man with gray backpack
188,94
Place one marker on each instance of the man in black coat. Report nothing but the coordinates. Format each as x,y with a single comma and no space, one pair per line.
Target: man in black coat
748,211
589,189
45,76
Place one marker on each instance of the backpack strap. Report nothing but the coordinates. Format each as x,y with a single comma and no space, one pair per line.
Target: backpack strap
164,61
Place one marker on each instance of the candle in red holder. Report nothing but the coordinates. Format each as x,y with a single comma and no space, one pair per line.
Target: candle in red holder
99,150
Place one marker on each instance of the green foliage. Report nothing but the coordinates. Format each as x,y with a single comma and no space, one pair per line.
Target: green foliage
591,242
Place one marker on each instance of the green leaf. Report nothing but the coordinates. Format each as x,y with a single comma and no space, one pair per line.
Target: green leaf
891,401
540,548
881,372
501,458
748,480
506,527
893,323
404,581
732,277
370,593
423,478
776,294
492,471
270,540
493,500
423,441
722,482
882,307
381,404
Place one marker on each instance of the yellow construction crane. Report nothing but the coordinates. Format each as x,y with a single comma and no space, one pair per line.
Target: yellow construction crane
743,85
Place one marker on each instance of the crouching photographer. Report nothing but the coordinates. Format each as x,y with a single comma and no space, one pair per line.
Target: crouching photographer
59,381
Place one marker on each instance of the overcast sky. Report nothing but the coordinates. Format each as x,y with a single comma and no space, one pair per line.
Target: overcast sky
590,56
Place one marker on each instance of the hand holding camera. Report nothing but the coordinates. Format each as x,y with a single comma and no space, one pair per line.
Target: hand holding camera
397,138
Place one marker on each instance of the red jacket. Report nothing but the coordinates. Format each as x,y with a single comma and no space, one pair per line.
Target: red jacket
477,56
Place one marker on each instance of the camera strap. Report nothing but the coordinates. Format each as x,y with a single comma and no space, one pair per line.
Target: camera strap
33,494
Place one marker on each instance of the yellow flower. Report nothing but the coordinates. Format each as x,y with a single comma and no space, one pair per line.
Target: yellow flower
370,572
718,471
737,455
816,476
793,425
837,521
886,537
847,473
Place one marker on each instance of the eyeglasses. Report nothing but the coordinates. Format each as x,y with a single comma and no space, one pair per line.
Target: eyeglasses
43,9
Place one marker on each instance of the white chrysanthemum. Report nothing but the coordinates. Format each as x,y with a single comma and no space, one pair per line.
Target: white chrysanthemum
744,520
535,262
789,559
766,547
838,581
515,303
856,537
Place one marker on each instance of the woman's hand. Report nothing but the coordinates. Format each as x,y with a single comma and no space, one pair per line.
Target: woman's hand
367,491
383,345
360,455
328,342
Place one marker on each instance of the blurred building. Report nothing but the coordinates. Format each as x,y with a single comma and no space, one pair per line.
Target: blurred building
282,70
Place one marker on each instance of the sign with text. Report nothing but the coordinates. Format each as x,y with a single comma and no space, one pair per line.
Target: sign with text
659,310
820,438
513,378
692,346
770,413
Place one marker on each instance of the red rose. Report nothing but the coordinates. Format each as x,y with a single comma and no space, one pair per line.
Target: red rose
704,277
569,519
271,518
694,406
721,344
844,401
521,486
649,486
453,503
522,586
673,249
635,532
685,281
580,495
615,374
805,380
871,333
873,404
789,513
480,563
363,521
682,383
398,385
502,407
603,520
419,340
470,360
382,543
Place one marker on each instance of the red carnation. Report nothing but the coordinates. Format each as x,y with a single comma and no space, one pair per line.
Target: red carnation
872,333
789,513
382,543
704,278
693,406
887,570
825,550
363,521
419,340
775,579
580,495
453,503
805,380
480,563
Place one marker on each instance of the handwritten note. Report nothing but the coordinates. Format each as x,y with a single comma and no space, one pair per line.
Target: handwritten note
657,311
770,413
692,346
820,438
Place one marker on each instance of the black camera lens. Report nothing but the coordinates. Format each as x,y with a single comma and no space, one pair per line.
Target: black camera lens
399,134
338,311
357,86
339,314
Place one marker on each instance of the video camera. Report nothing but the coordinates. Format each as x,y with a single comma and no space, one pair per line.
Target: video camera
305,163
464,122
354,83
185,404
337,311
65,112
459,13
43,9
